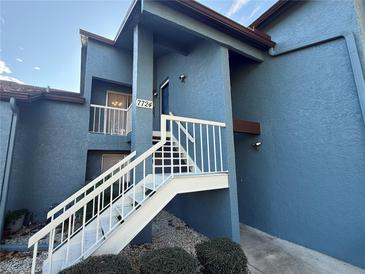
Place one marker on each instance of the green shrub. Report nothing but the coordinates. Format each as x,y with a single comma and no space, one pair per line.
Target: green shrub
221,256
167,261
105,264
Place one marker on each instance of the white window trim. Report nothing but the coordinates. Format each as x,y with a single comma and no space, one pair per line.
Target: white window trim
164,83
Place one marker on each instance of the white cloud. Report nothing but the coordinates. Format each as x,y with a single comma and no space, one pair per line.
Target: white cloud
236,6
37,68
11,79
4,68
19,60
21,48
254,11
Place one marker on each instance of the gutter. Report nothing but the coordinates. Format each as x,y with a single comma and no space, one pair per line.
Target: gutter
8,163
353,54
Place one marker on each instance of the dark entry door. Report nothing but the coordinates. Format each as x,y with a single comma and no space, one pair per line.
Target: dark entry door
165,99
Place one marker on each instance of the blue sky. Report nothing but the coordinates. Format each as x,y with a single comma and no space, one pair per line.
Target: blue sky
40,42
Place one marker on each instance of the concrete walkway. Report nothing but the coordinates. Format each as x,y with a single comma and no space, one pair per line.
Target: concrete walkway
270,255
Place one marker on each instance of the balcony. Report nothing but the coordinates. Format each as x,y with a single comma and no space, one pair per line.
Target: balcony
110,120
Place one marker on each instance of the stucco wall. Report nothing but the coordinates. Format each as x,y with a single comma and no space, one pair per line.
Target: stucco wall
306,183
100,88
53,138
49,157
107,62
205,94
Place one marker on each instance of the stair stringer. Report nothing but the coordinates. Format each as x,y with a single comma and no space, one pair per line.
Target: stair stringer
134,224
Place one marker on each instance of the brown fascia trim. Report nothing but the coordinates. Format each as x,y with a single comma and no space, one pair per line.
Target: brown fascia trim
97,37
39,93
243,126
270,14
218,20
57,96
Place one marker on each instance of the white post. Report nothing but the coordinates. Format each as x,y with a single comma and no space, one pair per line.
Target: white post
214,151
98,218
201,147
171,148
34,261
83,232
187,146
179,144
68,240
220,147
134,188
195,163
208,150
144,179
110,206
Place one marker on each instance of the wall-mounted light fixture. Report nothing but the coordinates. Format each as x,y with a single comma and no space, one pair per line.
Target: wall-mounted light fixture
257,145
182,78
155,93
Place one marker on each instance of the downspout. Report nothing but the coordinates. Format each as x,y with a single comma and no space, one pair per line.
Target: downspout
8,162
353,54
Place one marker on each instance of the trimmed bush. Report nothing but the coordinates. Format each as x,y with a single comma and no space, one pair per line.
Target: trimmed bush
168,260
105,264
221,256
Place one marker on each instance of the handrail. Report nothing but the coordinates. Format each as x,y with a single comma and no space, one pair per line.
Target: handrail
184,130
194,120
50,227
107,107
72,210
86,187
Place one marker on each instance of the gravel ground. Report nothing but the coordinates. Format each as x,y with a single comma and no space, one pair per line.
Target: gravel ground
23,235
19,262
167,231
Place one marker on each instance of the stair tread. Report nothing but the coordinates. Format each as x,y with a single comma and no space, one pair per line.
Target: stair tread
104,222
159,179
124,211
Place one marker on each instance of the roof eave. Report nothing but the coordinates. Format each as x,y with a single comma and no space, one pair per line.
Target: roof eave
270,14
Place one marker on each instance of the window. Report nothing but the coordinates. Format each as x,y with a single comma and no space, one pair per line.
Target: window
118,100
109,160
116,114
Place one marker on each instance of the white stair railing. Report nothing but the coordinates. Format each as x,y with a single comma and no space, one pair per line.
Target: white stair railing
106,206
110,120
70,201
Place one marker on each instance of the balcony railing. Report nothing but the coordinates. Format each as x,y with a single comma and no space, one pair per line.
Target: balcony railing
110,120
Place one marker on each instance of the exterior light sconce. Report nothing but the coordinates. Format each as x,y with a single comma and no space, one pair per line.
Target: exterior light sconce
182,78
155,93
257,145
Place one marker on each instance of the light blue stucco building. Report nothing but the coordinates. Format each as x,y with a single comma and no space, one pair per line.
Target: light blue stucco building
289,89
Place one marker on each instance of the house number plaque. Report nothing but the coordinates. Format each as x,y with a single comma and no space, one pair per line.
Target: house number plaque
144,103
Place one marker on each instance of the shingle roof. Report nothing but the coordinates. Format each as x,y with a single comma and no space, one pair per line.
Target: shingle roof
27,93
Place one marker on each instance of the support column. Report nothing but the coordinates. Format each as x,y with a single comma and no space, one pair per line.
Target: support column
142,118
142,89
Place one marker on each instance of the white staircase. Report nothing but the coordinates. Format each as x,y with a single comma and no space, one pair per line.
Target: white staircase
105,215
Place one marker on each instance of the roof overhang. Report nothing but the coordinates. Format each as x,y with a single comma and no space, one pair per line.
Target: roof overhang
27,93
273,12
191,17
